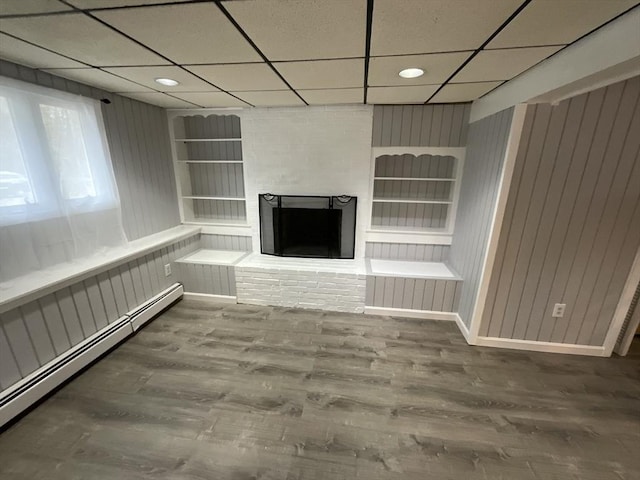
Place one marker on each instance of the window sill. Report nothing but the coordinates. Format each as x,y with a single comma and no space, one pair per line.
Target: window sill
36,284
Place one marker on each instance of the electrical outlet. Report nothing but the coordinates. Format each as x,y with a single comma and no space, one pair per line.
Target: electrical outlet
558,310
167,270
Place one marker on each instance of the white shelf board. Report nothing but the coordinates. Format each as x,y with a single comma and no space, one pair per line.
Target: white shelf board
213,257
396,234
205,197
219,222
33,285
407,200
417,179
208,139
403,268
209,161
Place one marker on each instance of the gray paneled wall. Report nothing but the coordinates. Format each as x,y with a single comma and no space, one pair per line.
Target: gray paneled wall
37,332
409,216
232,210
226,242
210,279
138,138
216,179
439,125
572,221
407,251
478,195
413,293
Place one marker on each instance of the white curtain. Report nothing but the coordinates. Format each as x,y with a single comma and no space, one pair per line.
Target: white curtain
58,196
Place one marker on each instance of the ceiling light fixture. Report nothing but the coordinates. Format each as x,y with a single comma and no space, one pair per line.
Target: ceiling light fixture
411,73
167,81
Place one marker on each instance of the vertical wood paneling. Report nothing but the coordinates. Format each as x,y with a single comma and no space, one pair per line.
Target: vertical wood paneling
420,125
478,195
55,325
209,279
35,333
572,218
407,251
20,342
226,242
9,371
38,332
411,293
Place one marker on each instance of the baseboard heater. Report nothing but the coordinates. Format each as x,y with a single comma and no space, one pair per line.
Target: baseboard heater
33,387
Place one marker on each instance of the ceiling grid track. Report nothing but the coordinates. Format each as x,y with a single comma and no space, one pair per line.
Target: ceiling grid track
90,15
367,51
255,47
480,48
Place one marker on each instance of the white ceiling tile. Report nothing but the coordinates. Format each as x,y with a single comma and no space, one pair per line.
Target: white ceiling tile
303,29
502,64
425,26
322,74
240,77
554,22
414,94
88,4
25,54
18,7
383,71
333,96
281,98
81,38
98,78
210,99
147,75
191,33
463,92
159,99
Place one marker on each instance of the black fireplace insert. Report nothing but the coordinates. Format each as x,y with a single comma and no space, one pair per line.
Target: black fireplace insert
307,226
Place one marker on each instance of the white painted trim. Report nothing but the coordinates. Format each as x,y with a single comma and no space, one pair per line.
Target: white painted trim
115,333
408,313
237,230
463,329
38,284
209,296
380,236
177,167
611,45
535,346
48,383
618,73
510,156
152,307
620,313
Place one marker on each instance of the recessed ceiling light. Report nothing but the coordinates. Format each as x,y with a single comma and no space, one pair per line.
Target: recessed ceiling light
411,73
167,81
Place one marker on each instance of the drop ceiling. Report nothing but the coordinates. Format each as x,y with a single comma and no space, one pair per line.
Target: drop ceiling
294,52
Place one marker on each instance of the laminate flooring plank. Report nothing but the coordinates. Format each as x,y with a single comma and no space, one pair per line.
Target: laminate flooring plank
224,391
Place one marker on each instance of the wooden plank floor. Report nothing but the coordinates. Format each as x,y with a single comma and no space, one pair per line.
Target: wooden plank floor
211,391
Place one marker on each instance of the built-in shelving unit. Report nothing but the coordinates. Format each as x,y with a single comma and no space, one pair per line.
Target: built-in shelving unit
415,190
209,169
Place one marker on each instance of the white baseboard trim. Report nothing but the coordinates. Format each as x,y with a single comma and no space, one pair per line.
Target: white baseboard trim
463,329
535,346
210,296
33,387
30,389
404,312
149,309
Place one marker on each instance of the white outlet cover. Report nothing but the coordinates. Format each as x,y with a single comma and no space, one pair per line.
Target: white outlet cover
167,270
558,310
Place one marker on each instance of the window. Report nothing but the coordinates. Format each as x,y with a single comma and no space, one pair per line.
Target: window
54,159
58,196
